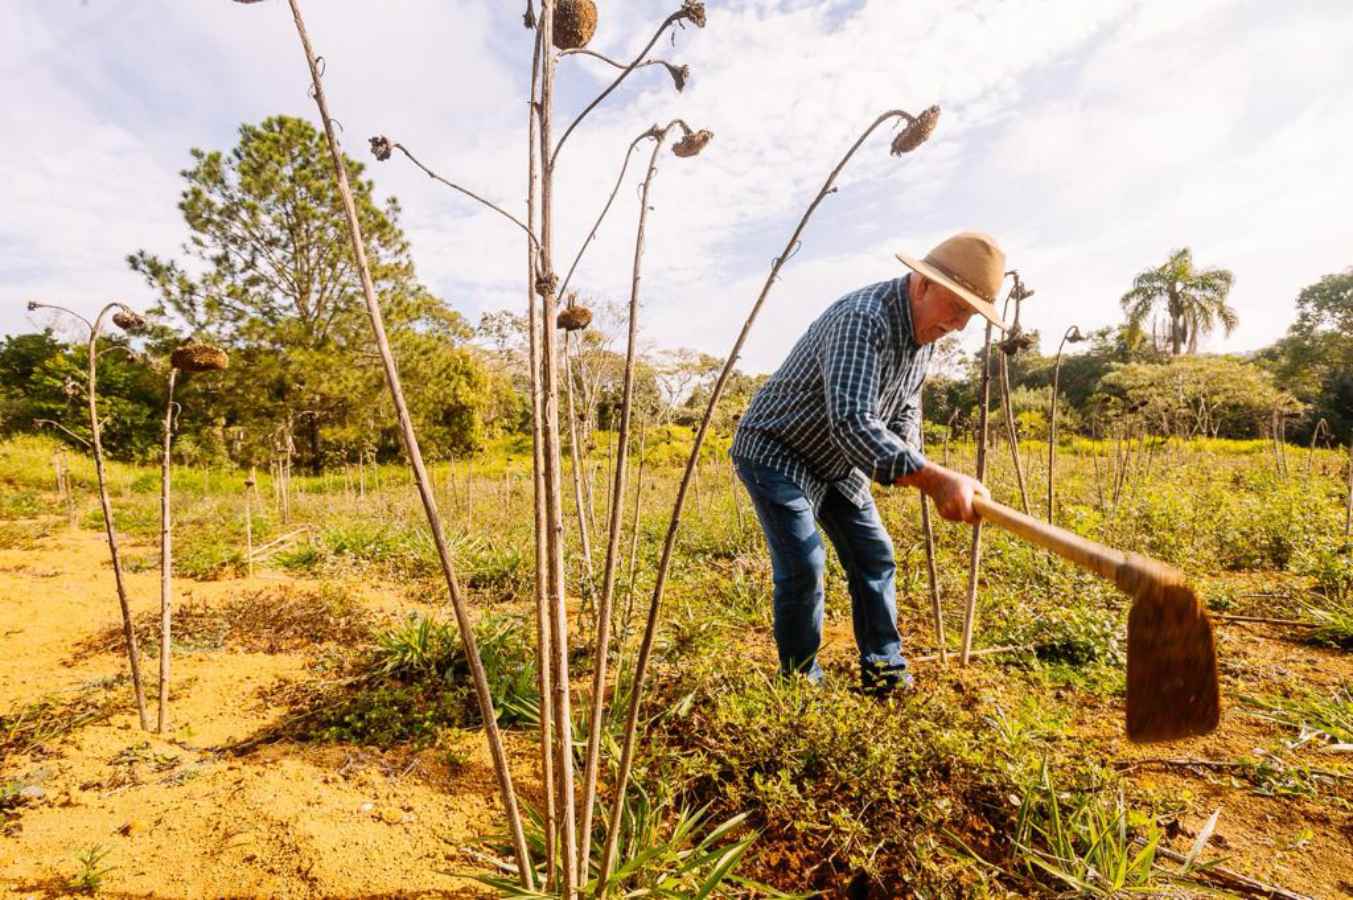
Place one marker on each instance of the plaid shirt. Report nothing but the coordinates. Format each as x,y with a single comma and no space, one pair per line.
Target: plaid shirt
845,406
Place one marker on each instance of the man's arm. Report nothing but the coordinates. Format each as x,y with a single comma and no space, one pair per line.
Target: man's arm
850,373
952,491
907,423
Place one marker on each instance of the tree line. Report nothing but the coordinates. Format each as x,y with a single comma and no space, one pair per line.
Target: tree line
267,273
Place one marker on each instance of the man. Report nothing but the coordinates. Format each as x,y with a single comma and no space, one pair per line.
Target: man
845,408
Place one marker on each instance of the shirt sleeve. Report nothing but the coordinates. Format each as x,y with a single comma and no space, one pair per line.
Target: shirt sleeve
907,423
851,370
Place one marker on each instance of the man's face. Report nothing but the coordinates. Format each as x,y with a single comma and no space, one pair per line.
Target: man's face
936,310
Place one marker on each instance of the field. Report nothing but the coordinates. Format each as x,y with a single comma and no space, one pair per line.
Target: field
326,742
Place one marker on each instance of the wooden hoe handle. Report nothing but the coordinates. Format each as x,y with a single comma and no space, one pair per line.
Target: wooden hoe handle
1124,569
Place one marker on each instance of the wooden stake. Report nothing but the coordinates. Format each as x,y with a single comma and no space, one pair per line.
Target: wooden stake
575,455
249,523
617,504
166,560
544,649
975,553
1348,509
547,285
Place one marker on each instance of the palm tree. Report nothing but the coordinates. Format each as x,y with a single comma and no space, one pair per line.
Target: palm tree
1195,300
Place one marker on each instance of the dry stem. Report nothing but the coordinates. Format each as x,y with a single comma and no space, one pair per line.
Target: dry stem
675,17
975,552
546,284
166,559
615,514
91,389
669,543
416,462
545,677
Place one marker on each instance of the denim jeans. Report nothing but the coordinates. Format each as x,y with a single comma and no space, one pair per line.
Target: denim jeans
798,559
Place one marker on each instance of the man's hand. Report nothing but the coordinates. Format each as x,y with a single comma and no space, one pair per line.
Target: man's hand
952,491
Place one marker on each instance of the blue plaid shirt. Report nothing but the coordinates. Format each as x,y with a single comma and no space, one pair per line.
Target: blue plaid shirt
845,406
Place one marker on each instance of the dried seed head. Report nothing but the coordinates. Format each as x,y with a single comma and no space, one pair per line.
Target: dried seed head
547,284
129,321
1018,341
249,481
693,143
32,305
1075,335
575,318
381,148
70,388
199,358
680,75
917,132
575,21
529,19
695,11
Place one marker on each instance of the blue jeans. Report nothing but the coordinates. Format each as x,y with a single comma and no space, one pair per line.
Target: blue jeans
798,559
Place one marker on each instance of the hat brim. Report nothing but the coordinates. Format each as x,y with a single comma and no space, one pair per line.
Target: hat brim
984,307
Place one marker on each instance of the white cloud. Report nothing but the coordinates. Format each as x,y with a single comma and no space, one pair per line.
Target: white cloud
1090,138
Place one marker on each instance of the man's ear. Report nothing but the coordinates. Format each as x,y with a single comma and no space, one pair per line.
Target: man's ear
919,286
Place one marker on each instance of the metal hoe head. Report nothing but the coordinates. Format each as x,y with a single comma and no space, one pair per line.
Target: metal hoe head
1172,688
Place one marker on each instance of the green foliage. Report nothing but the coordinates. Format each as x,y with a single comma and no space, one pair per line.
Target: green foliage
419,683
1089,843
1198,395
276,284
1315,359
1328,715
42,378
89,879
1070,634
1332,568
663,851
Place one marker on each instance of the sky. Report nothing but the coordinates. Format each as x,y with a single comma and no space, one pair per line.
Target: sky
1091,139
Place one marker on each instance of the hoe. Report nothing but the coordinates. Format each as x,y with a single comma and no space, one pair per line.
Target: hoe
1172,690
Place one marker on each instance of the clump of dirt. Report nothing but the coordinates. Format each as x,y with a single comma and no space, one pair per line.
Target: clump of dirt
282,619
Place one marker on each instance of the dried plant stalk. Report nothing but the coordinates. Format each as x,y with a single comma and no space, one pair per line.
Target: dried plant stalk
166,559
420,474
544,655
1012,431
1074,335
249,521
575,455
669,543
547,284
96,445
1348,510
928,529
690,11
616,511
975,552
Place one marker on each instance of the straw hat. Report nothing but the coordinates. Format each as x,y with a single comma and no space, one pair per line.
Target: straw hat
969,264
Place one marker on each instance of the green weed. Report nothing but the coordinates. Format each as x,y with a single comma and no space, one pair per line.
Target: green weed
92,870
1085,842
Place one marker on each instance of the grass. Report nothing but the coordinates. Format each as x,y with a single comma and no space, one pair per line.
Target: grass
410,686
92,871
663,851
982,783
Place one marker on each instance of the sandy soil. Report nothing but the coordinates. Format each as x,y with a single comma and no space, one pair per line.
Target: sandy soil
291,820
181,821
